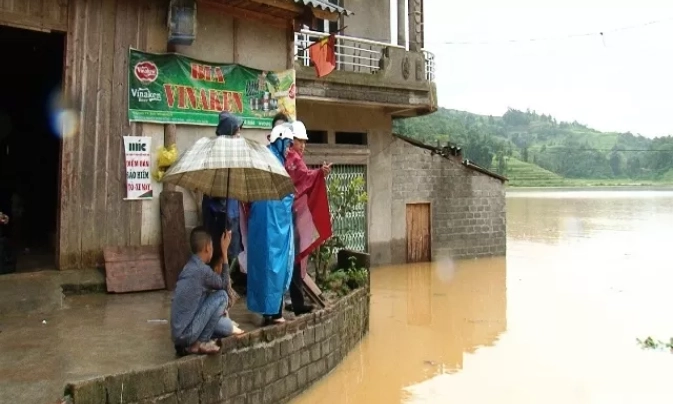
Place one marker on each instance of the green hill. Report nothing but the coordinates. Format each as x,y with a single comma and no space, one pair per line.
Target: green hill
531,175
536,150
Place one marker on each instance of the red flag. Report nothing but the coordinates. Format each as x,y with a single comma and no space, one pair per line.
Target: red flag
314,224
323,55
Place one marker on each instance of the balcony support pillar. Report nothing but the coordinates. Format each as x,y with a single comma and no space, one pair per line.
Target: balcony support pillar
416,37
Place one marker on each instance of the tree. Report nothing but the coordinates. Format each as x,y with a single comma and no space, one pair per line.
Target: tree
502,162
617,163
569,149
478,148
634,167
524,153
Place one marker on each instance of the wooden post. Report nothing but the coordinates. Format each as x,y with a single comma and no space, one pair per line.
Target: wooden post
170,137
415,25
173,229
170,131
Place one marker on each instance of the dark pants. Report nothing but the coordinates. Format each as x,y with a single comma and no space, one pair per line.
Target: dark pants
296,289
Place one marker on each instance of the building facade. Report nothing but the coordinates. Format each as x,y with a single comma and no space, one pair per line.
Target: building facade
348,113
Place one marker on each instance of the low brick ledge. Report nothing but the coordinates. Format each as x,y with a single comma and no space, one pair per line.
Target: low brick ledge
269,365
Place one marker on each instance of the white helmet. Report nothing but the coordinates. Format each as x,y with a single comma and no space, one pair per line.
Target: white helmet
299,130
280,132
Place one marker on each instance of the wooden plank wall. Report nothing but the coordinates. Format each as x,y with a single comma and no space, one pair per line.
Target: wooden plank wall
47,15
93,211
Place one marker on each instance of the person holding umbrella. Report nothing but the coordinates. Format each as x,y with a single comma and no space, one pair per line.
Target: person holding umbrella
223,213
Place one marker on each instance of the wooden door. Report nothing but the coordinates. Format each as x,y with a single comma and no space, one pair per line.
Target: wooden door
418,232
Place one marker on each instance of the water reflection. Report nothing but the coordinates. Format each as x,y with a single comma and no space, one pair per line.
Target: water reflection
97,322
587,273
557,217
419,295
424,319
95,334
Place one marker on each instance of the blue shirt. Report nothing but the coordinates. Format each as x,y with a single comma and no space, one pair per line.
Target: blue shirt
194,283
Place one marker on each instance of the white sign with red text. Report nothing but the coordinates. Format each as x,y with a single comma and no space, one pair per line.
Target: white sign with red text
138,161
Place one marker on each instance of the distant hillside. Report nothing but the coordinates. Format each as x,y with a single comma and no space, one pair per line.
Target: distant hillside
537,150
531,175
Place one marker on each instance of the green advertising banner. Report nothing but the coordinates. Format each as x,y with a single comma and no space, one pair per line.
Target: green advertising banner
171,88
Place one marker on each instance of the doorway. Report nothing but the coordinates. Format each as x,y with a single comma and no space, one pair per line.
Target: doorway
30,147
418,233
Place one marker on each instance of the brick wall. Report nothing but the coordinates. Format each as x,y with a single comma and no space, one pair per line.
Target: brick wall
467,207
270,365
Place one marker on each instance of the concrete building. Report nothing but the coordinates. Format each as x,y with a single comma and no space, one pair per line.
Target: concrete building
349,113
453,208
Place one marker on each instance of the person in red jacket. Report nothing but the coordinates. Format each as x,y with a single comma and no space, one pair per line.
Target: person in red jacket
304,180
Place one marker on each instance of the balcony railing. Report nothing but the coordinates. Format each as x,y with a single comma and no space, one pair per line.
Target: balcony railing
429,65
353,54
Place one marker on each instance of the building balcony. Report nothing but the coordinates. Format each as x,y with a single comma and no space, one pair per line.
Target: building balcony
368,72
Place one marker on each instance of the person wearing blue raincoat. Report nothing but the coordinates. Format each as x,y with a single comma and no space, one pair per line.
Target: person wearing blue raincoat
271,235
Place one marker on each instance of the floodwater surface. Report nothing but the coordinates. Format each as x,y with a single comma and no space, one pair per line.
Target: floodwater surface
586,273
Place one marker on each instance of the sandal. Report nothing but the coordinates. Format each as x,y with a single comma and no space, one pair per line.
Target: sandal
192,350
202,348
209,348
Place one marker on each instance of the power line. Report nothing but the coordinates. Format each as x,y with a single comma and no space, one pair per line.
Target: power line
555,149
557,38
561,149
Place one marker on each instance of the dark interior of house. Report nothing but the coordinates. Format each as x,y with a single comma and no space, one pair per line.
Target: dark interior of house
29,147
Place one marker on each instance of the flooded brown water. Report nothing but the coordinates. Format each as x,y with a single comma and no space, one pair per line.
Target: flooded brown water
586,273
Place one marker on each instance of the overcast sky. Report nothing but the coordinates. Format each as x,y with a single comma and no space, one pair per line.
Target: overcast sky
622,82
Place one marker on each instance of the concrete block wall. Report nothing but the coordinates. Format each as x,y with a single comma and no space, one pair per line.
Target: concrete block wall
468,217
270,365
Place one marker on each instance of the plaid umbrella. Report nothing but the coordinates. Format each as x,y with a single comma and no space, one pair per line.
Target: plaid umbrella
231,167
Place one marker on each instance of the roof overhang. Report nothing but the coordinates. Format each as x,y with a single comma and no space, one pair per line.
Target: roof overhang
326,7
278,12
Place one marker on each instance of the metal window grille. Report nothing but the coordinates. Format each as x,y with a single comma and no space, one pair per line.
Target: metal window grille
352,229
